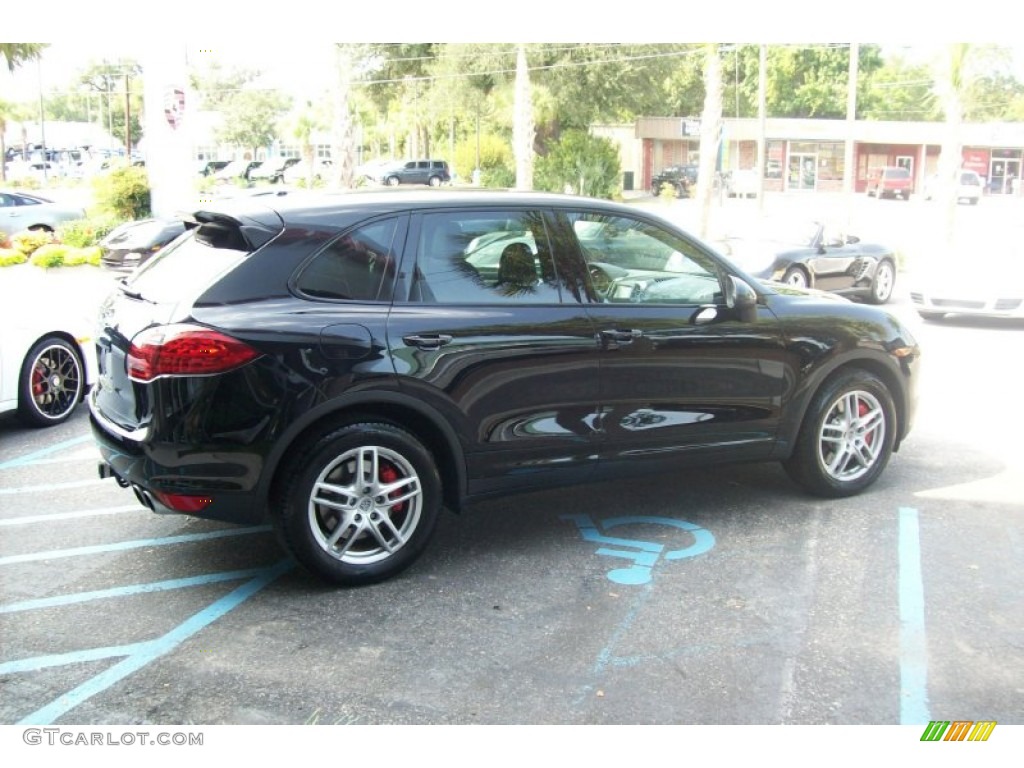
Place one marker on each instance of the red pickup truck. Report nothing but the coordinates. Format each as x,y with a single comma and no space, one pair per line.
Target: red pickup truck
890,182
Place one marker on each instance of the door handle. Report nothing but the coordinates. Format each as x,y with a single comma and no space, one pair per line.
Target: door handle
433,341
618,336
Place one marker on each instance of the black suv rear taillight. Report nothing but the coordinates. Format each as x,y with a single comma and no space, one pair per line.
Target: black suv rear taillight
185,350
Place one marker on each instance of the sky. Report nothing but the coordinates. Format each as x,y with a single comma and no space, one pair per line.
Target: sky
290,42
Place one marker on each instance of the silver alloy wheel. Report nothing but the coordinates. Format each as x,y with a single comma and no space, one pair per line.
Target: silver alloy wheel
852,436
55,381
884,281
796,278
365,505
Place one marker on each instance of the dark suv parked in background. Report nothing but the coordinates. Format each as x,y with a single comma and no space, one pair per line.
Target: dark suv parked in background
348,364
432,172
683,178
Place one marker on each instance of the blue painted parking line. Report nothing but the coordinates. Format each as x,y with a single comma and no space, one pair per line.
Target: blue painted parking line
143,654
913,640
36,663
135,544
31,457
644,554
132,589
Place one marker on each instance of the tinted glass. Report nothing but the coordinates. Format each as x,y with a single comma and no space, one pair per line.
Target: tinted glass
475,257
188,264
358,266
638,262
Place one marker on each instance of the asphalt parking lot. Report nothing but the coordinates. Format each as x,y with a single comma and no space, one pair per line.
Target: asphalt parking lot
708,597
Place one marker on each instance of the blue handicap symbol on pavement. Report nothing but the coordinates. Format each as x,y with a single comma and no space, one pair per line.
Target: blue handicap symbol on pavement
644,554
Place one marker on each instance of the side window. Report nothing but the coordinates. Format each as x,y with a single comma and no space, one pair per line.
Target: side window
358,266
484,257
629,260
423,165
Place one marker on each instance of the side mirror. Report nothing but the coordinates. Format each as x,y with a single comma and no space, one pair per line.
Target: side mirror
741,298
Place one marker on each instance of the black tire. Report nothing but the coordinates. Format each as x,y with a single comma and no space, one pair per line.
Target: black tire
836,455
435,181
393,181
884,283
51,382
797,277
359,462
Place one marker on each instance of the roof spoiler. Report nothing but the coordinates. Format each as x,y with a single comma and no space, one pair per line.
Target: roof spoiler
224,229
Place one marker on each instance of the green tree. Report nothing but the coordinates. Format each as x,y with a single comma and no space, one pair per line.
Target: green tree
16,54
217,84
250,118
108,81
898,90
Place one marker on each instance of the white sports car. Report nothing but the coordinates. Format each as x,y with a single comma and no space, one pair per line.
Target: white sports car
47,364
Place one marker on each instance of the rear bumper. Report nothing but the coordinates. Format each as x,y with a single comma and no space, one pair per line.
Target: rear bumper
137,467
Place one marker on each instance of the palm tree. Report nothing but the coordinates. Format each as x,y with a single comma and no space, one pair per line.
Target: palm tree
523,128
952,83
710,136
15,54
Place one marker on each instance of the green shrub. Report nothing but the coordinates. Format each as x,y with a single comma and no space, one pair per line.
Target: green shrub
667,194
30,240
497,166
589,163
51,255
10,256
29,183
92,255
86,232
123,193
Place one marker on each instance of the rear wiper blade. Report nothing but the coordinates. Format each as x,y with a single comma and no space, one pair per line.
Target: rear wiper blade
123,285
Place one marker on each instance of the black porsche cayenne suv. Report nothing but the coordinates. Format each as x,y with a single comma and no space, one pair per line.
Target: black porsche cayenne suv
346,365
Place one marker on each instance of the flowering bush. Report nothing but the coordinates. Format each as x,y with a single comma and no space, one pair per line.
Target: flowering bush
30,240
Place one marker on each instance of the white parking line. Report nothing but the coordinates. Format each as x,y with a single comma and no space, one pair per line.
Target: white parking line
29,519
55,554
54,486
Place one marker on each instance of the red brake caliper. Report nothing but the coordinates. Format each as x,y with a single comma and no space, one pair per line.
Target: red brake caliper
38,380
862,410
388,474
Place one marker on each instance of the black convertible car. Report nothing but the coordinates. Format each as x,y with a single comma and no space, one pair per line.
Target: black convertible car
817,256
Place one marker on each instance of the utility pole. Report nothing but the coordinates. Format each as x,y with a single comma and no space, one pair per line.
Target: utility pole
127,120
762,116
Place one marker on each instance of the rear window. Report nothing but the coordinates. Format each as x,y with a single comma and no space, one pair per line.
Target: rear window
897,173
186,267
